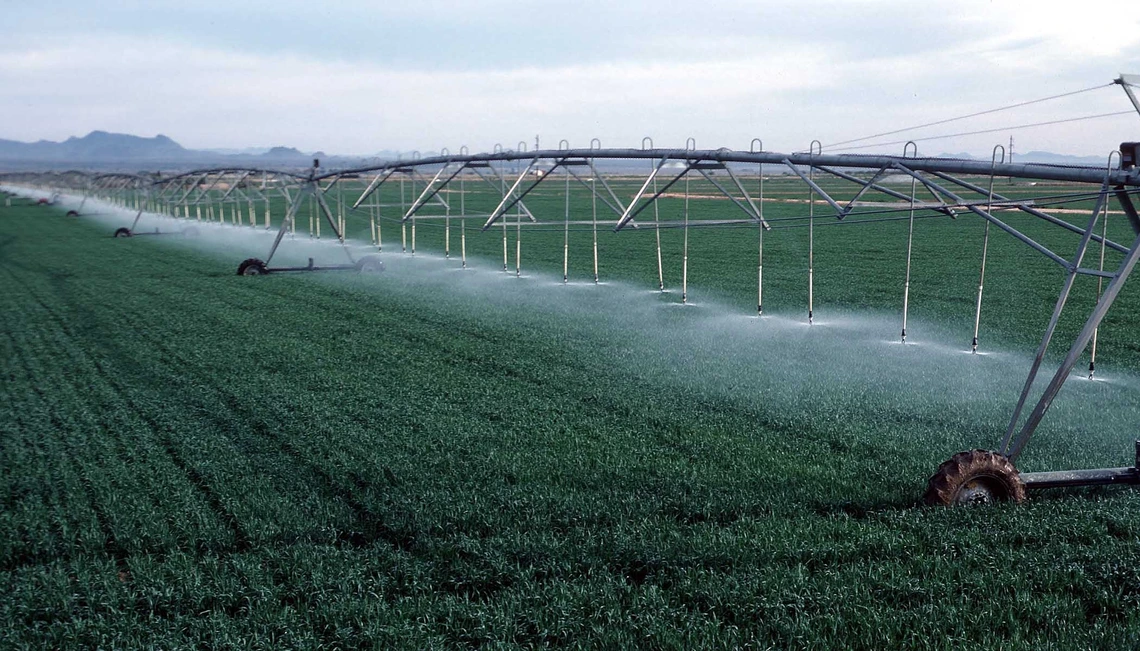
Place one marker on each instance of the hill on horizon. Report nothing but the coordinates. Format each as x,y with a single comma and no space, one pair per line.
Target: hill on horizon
106,149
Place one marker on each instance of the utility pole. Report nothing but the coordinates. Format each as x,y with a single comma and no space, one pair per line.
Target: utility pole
1011,155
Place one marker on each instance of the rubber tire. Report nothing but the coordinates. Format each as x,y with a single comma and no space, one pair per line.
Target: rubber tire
123,232
72,213
975,477
252,267
190,231
370,264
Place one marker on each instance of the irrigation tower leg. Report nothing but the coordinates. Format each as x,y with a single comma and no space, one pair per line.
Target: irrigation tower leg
1062,297
1078,347
286,223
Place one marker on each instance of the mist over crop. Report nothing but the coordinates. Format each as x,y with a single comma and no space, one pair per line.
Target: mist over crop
848,367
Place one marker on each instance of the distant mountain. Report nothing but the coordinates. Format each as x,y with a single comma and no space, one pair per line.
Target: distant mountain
244,151
100,145
97,146
1059,159
100,149
1044,157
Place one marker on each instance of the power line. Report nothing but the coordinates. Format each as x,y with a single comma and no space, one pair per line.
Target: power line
974,133
971,115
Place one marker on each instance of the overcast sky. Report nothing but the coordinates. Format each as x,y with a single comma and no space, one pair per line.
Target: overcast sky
360,77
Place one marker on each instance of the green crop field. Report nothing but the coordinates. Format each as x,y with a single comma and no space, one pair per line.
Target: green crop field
438,458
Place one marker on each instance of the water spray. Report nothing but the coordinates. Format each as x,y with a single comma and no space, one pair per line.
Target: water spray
1121,183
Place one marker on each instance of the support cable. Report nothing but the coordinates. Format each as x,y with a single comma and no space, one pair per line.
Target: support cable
971,115
984,131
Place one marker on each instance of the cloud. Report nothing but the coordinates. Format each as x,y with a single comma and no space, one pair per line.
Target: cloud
353,78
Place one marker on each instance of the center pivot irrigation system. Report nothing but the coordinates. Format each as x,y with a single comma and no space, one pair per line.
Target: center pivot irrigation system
631,183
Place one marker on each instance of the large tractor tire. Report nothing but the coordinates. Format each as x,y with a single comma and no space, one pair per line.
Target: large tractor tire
370,264
123,232
72,213
975,477
252,267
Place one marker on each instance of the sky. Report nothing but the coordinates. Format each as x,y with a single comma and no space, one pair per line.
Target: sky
356,77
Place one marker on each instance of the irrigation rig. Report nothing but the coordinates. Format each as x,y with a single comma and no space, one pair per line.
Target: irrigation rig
948,187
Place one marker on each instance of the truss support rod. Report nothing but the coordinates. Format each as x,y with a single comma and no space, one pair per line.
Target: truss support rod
499,188
209,188
413,173
142,207
1062,297
858,195
242,194
1127,82
376,183
1078,347
812,184
616,206
1129,209
432,189
1098,273
191,186
233,186
632,212
759,216
933,190
748,210
1120,248
138,216
997,222
625,216
166,188
332,224
509,197
331,184
592,186
1130,177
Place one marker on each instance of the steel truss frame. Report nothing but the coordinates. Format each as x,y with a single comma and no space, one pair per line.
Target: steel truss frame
941,178
936,175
